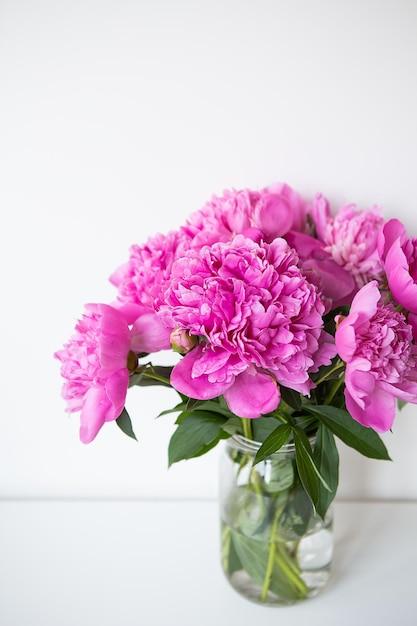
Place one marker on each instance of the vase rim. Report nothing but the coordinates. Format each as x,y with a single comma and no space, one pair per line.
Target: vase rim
251,445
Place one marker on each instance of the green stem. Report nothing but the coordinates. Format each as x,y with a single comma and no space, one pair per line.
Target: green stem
277,549
290,569
271,557
337,367
226,541
254,474
278,554
247,428
155,376
257,485
333,390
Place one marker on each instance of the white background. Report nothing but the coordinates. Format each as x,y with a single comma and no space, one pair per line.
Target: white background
119,118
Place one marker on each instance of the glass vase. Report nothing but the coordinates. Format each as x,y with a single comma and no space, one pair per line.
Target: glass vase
274,549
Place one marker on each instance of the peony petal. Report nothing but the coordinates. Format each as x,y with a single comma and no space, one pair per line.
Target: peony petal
345,340
95,406
149,334
400,282
210,362
379,410
393,230
131,311
253,233
406,390
364,304
412,320
103,404
253,394
305,245
297,204
273,216
116,389
335,282
199,388
326,351
359,382
320,213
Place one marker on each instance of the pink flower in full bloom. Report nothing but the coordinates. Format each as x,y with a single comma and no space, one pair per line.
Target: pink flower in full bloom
141,283
143,278
258,319
265,214
220,218
94,364
351,238
376,343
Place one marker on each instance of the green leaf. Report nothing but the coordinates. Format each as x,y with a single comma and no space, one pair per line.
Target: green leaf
151,375
254,556
191,403
297,513
125,424
264,426
195,435
191,406
176,409
280,475
213,407
230,560
182,416
341,423
328,372
326,457
291,397
273,442
134,379
307,470
233,425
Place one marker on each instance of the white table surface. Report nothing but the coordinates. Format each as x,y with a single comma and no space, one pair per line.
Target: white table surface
152,563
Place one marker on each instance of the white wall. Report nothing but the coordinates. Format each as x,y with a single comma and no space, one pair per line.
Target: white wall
120,117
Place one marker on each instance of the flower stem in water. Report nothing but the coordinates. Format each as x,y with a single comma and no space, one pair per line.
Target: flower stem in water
278,554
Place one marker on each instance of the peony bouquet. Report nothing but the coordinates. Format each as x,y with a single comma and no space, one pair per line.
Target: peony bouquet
289,325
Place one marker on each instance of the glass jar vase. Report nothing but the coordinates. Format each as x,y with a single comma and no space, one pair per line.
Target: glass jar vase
275,549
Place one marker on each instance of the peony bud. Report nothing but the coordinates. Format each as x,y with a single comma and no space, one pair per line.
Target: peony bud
182,341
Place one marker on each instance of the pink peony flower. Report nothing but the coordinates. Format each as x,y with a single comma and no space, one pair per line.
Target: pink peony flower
145,276
258,319
375,341
265,214
220,218
141,283
95,368
399,255
143,279
279,210
351,238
